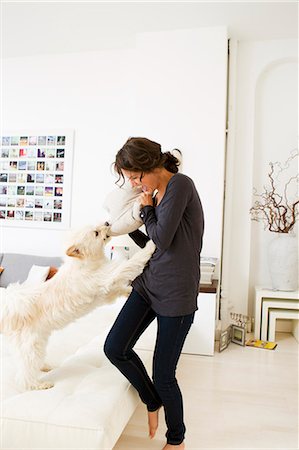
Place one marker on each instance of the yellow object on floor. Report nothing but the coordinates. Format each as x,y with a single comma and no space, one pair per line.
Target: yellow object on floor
261,344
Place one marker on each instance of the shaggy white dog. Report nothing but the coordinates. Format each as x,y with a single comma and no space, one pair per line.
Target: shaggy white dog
86,279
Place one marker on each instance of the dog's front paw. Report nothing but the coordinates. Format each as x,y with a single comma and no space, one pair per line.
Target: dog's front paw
150,247
126,291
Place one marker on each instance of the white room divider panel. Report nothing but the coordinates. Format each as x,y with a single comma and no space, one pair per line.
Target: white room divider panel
181,79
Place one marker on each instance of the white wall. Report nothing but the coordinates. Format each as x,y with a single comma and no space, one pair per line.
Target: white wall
171,86
263,128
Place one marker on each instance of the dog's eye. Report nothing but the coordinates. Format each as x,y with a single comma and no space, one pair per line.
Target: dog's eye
96,233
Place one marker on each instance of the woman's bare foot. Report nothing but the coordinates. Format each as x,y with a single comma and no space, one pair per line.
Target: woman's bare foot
153,422
174,447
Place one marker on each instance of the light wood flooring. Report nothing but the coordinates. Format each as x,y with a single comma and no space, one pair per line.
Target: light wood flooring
242,398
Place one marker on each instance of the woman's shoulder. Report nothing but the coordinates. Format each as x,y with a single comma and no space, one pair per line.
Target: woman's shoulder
180,180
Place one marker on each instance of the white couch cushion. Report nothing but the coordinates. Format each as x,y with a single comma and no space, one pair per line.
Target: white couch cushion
90,403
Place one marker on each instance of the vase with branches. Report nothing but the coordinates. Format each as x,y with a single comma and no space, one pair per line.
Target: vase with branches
277,206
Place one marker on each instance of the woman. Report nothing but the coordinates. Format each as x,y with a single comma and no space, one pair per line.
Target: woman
168,287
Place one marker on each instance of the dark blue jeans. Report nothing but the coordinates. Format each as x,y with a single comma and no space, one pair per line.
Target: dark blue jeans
163,389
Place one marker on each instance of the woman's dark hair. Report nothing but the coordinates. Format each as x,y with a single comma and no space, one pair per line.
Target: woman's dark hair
143,155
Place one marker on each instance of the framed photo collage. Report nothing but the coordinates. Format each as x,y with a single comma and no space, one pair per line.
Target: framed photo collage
35,179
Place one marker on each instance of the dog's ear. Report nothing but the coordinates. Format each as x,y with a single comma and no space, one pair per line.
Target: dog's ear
74,251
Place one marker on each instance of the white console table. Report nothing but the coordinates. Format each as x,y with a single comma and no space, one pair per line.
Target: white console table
201,337
271,305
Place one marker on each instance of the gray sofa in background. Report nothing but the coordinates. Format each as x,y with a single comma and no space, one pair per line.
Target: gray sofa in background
17,266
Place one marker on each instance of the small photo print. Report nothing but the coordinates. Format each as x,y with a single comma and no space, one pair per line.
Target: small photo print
20,203
60,140
2,213
58,192
3,177
22,165
13,165
24,140
40,165
11,190
11,202
50,166
58,179
28,215
39,190
21,190
3,189
12,178
50,152
47,217
3,201
39,178
39,203
4,165
5,140
4,152
41,153
32,140
60,153
50,140
48,204
19,215
31,165
60,166
10,214
57,217
13,152
49,178
22,177
49,191
42,140
29,203
57,204
29,190
30,177
31,152
23,152
38,216
14,140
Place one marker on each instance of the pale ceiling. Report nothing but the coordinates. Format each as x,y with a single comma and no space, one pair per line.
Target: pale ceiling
30,28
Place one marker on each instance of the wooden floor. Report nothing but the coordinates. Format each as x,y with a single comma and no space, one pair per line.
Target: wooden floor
242,398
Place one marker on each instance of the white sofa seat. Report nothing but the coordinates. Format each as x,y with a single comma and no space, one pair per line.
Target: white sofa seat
90,403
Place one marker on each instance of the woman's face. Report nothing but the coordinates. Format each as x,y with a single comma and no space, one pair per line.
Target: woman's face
148,180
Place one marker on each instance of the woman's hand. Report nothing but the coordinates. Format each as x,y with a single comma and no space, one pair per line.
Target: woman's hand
146,199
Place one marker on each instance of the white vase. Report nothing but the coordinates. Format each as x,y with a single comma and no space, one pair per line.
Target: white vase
283,262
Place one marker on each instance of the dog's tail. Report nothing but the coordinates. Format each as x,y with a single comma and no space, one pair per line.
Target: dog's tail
18,307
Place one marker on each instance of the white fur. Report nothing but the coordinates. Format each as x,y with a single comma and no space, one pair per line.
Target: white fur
86,280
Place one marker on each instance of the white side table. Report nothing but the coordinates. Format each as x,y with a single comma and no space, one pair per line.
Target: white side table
268,298
279,314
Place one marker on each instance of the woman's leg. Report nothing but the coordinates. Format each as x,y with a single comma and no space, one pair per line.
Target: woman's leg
172,332
133,319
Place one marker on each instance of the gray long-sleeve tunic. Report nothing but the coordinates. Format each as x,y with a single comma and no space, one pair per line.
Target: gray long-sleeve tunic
170,280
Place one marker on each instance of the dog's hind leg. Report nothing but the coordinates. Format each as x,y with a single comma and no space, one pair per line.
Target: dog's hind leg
31,352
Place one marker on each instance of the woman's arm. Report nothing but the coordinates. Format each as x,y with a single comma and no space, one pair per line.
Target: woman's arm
171,211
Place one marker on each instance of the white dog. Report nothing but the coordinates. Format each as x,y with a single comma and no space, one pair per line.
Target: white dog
87,279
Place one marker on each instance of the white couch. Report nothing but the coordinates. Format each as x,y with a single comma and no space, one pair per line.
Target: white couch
90,403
